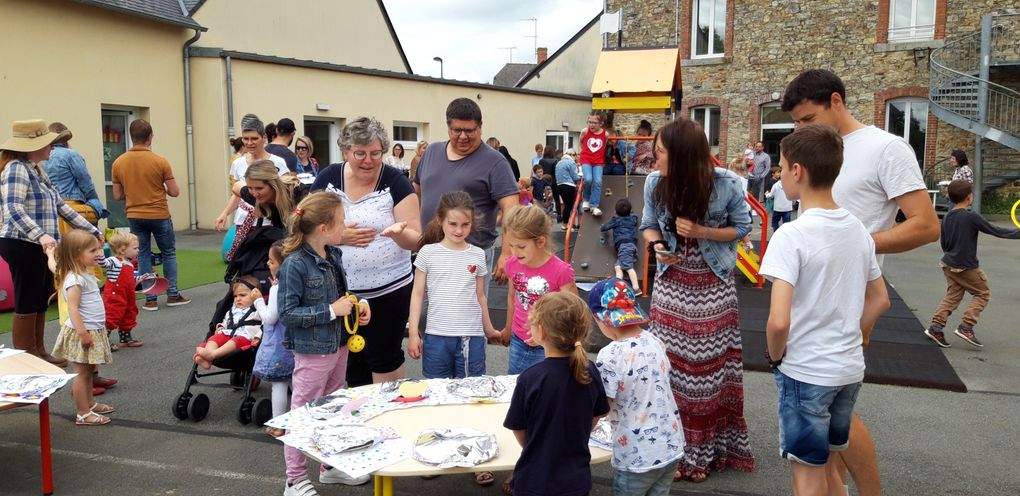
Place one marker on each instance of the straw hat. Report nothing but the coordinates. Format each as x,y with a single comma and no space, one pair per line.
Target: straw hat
29,136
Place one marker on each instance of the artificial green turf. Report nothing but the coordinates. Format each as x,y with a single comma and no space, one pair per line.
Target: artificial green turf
194,268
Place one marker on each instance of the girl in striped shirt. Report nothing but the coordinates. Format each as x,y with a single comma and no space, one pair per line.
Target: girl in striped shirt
453,272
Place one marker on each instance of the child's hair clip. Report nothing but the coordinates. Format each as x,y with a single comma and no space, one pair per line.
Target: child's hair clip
298,211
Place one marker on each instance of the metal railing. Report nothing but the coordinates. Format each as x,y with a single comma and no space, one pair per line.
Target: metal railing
956,87
1005,47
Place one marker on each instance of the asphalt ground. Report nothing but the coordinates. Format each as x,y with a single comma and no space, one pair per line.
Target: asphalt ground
929,441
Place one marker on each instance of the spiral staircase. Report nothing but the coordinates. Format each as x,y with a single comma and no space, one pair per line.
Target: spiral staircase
963,93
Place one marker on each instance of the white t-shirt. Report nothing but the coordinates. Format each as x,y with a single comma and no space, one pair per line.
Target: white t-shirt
646,422
250,331
240,167
829,257
451,281
877,168
93,313
781,203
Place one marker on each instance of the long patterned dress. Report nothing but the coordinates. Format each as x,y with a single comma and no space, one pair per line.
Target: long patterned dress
695,314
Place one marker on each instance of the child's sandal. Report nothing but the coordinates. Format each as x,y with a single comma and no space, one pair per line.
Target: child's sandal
91,418
127,341
102,409
484,479
113,346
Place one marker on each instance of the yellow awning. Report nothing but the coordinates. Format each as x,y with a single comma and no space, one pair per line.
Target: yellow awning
636,71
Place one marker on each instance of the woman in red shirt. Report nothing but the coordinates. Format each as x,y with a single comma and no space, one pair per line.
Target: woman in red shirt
593,160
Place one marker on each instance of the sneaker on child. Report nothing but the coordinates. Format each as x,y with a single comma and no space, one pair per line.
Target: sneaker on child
300,488
333,475
938,336
968,336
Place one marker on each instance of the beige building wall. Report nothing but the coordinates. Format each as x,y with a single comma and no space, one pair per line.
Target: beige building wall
572,70
348,32
518,120
68,61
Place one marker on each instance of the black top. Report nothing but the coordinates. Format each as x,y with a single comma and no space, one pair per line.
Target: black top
284,153
332,179
960,228
300,192
557,413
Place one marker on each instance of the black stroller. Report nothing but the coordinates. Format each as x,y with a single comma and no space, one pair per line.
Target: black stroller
249,259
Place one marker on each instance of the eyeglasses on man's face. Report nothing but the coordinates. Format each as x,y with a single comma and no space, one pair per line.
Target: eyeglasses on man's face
361,154
457,131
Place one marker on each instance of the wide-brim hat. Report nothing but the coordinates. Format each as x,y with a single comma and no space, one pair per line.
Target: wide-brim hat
151,284
29,136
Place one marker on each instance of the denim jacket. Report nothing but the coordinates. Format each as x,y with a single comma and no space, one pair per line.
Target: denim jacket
726,208
308,285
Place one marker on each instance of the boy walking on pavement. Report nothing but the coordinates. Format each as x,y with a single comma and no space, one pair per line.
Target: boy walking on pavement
827,293
960,265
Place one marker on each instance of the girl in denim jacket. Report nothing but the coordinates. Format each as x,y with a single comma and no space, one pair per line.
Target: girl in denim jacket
312,303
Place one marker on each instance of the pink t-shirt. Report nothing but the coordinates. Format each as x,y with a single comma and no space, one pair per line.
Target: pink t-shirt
531,284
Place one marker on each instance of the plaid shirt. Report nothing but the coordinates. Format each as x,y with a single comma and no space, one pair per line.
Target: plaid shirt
31,205
964,172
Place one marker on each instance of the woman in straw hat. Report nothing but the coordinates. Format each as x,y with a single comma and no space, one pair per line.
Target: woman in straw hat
31,207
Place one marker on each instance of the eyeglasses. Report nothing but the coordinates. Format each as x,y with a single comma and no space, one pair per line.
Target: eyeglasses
464,131
249,139
360,155
301,148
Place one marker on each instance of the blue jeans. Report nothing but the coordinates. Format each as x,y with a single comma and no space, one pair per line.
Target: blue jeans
444,357
813,420
163,231
592,191
779,216
654,482
523,356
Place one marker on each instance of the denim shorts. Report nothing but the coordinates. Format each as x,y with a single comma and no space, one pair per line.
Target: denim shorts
655,482
626,255
523,356
813,420
444,357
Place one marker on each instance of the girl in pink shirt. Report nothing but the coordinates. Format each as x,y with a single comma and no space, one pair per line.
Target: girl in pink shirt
533,271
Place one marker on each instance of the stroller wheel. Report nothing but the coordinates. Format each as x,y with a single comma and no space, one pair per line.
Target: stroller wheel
244,413
237,378
263,411
198,407
180,406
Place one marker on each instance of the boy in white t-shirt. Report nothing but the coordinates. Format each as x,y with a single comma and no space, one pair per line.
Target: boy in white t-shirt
648,440
782,207
827,293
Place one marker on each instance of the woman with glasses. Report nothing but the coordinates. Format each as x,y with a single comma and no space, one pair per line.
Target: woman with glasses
396,159
382,228
306,162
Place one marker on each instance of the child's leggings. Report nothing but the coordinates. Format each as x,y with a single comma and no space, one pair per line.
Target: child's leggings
314,376
280,403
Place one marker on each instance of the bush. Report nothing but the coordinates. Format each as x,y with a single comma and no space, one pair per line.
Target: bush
997,202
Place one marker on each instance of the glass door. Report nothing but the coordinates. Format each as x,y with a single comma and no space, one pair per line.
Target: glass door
324,135
116,141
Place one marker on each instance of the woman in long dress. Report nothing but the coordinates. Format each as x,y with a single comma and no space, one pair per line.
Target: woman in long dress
695,213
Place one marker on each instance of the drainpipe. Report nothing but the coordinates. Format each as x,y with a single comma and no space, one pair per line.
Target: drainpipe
189,132
230,100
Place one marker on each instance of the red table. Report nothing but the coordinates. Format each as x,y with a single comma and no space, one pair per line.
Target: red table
25,363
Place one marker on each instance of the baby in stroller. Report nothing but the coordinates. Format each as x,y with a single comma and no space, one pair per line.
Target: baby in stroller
241,326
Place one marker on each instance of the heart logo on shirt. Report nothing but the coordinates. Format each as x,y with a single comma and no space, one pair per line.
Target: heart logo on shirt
594,144
472,268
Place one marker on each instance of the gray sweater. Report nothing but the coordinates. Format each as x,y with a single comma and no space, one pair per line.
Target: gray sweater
960,229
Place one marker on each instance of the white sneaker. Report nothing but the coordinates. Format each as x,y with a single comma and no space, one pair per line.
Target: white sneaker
585,207
301,488
596,212
335,476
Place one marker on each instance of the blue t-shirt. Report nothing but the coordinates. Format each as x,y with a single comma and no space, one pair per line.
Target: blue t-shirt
556,412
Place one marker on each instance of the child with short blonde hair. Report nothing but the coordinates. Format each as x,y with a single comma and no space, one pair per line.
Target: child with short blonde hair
119,290
532,272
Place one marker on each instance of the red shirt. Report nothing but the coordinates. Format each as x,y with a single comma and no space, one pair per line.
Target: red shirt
593,147
526,198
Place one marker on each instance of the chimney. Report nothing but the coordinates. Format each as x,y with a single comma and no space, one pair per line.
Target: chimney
541,53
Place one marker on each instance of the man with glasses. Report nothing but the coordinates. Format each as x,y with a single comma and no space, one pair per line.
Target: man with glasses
462,164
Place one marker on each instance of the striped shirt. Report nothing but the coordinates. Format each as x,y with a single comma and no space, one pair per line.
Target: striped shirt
451,280
31,205
113,265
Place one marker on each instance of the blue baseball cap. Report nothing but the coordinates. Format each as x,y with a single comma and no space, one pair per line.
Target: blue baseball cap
613,303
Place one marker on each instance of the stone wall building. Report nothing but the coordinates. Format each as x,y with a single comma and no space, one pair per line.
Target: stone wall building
737,58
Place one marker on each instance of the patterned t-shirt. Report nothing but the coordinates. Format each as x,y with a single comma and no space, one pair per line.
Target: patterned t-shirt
646,422
531,284
451,283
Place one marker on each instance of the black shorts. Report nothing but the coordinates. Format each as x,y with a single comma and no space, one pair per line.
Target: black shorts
384,337
33,281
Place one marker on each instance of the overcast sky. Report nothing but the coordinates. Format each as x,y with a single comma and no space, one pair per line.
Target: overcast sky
469,35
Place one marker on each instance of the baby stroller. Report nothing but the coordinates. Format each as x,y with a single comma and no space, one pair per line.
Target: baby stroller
249,259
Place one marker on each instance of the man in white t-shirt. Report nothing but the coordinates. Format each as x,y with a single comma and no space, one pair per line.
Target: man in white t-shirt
253,135
880,174
824,256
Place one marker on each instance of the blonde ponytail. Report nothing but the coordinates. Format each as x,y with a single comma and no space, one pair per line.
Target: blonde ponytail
566,321
317,209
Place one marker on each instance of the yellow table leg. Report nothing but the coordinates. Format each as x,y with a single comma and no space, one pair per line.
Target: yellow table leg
383,486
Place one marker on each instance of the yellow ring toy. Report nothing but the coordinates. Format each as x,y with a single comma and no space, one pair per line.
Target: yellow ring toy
355,343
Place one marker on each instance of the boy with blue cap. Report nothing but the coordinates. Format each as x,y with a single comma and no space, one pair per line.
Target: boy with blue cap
648,439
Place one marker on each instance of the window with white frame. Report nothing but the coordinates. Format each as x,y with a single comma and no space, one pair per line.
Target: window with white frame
911,20
908,118
708,117
708,29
